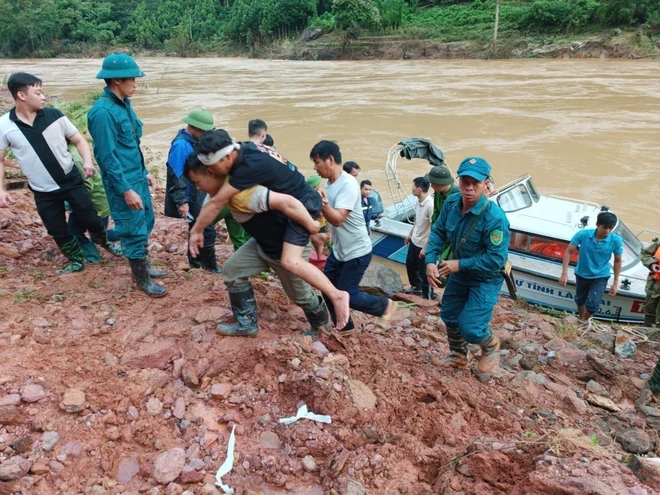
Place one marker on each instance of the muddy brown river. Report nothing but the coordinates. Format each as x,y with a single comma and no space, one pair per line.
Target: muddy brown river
587,129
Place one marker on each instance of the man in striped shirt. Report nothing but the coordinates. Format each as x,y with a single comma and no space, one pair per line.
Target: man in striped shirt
38,138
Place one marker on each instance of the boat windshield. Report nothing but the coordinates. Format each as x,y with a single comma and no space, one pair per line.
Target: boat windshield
516,198
632,247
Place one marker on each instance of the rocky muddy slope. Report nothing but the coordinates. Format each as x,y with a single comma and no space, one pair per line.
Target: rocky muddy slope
105,391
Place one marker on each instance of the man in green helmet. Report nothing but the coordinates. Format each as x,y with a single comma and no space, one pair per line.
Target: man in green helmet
443,186
184,200
117,131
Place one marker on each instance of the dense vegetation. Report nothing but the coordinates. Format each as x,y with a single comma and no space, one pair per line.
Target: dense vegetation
50,27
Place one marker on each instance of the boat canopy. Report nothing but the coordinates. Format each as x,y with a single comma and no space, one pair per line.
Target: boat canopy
422,148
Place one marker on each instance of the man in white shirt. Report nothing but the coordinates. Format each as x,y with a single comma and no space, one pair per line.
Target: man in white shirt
418,237
351,250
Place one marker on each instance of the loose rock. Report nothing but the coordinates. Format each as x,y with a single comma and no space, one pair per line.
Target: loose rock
73,400
168,465
624,347
635,441
49,439
14,468
32,393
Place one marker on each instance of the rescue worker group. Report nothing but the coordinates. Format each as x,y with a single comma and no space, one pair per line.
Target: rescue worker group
274,216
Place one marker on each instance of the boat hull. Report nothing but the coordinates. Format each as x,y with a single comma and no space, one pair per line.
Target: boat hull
536,288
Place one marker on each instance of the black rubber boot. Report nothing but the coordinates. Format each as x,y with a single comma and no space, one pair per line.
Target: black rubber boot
318,318
207,259
140,271
102,240
649,321
244,308
489,355
153,272
457,357
73,252
194,262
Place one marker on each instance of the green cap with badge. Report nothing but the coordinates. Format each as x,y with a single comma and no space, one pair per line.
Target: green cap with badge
119,66
441,175
201,119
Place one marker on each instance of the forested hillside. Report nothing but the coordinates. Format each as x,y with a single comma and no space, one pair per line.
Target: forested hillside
46,28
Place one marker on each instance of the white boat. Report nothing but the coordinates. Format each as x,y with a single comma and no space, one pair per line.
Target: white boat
541,229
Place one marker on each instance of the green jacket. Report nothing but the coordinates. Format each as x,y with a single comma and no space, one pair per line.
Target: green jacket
117,131
94,185
439,201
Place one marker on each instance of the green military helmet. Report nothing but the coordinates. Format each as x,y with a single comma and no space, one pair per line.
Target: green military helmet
119,66
201,119
440,175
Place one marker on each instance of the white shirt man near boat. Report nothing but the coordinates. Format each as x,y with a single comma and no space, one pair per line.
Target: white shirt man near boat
351,250
419,237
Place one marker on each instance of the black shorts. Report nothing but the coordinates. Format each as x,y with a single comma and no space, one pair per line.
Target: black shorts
296,234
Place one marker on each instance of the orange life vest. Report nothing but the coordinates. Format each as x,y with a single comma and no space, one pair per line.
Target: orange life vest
656,275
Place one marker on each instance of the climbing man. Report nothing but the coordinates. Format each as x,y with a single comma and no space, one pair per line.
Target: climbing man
477,231
443,186
117,131
651,260
38,138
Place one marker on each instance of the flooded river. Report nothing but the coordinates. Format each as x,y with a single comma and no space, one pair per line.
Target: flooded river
583,128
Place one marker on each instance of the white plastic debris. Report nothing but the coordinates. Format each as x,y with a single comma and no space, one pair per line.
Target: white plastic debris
227,465
303,413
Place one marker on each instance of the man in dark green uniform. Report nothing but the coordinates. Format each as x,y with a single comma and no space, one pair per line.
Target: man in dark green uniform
443,186
478,232
117,131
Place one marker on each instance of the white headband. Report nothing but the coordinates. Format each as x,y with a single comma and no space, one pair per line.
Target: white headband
211,158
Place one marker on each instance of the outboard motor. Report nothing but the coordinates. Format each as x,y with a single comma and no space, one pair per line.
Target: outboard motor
376,204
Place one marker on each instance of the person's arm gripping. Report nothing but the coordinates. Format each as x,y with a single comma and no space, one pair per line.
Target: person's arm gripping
208,214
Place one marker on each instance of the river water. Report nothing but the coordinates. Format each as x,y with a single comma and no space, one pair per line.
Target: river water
587,129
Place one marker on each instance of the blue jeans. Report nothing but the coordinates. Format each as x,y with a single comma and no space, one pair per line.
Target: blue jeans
346,275
589,292
468,304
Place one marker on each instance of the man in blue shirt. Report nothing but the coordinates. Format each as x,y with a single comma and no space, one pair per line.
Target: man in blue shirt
593,267
117,131
477,231
183,200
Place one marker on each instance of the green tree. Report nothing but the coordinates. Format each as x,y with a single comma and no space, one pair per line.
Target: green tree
355,14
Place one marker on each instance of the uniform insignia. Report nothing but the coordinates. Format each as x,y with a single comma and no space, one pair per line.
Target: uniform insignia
496,237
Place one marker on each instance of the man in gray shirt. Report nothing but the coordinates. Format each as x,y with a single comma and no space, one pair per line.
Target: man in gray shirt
351,250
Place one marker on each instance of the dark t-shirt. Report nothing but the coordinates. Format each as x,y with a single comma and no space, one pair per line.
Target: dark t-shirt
268,230
261,165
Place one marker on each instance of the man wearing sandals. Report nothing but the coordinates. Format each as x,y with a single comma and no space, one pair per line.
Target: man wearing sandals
478,232
351,250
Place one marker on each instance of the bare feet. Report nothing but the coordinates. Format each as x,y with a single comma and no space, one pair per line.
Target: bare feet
384,320
342,310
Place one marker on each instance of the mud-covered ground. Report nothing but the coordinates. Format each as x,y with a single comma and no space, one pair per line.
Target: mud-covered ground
104,390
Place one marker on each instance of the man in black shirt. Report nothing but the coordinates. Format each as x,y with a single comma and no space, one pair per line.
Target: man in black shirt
248,165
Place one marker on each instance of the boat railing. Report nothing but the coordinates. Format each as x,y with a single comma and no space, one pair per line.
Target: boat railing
579,202
402,204
647,231
509,185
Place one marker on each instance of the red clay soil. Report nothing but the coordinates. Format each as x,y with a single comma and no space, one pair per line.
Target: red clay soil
153,375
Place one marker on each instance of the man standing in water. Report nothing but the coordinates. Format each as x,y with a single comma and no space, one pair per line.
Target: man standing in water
478,232
38,138
117,131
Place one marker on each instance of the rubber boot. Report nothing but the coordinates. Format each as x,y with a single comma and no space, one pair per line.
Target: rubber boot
90,253
489,357
194,263
244,308
143,281
208,260
654,382
102,240
318,318
457,357
153,272
649,320
74,253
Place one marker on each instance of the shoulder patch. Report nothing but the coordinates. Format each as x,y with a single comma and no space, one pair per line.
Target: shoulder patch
496,237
